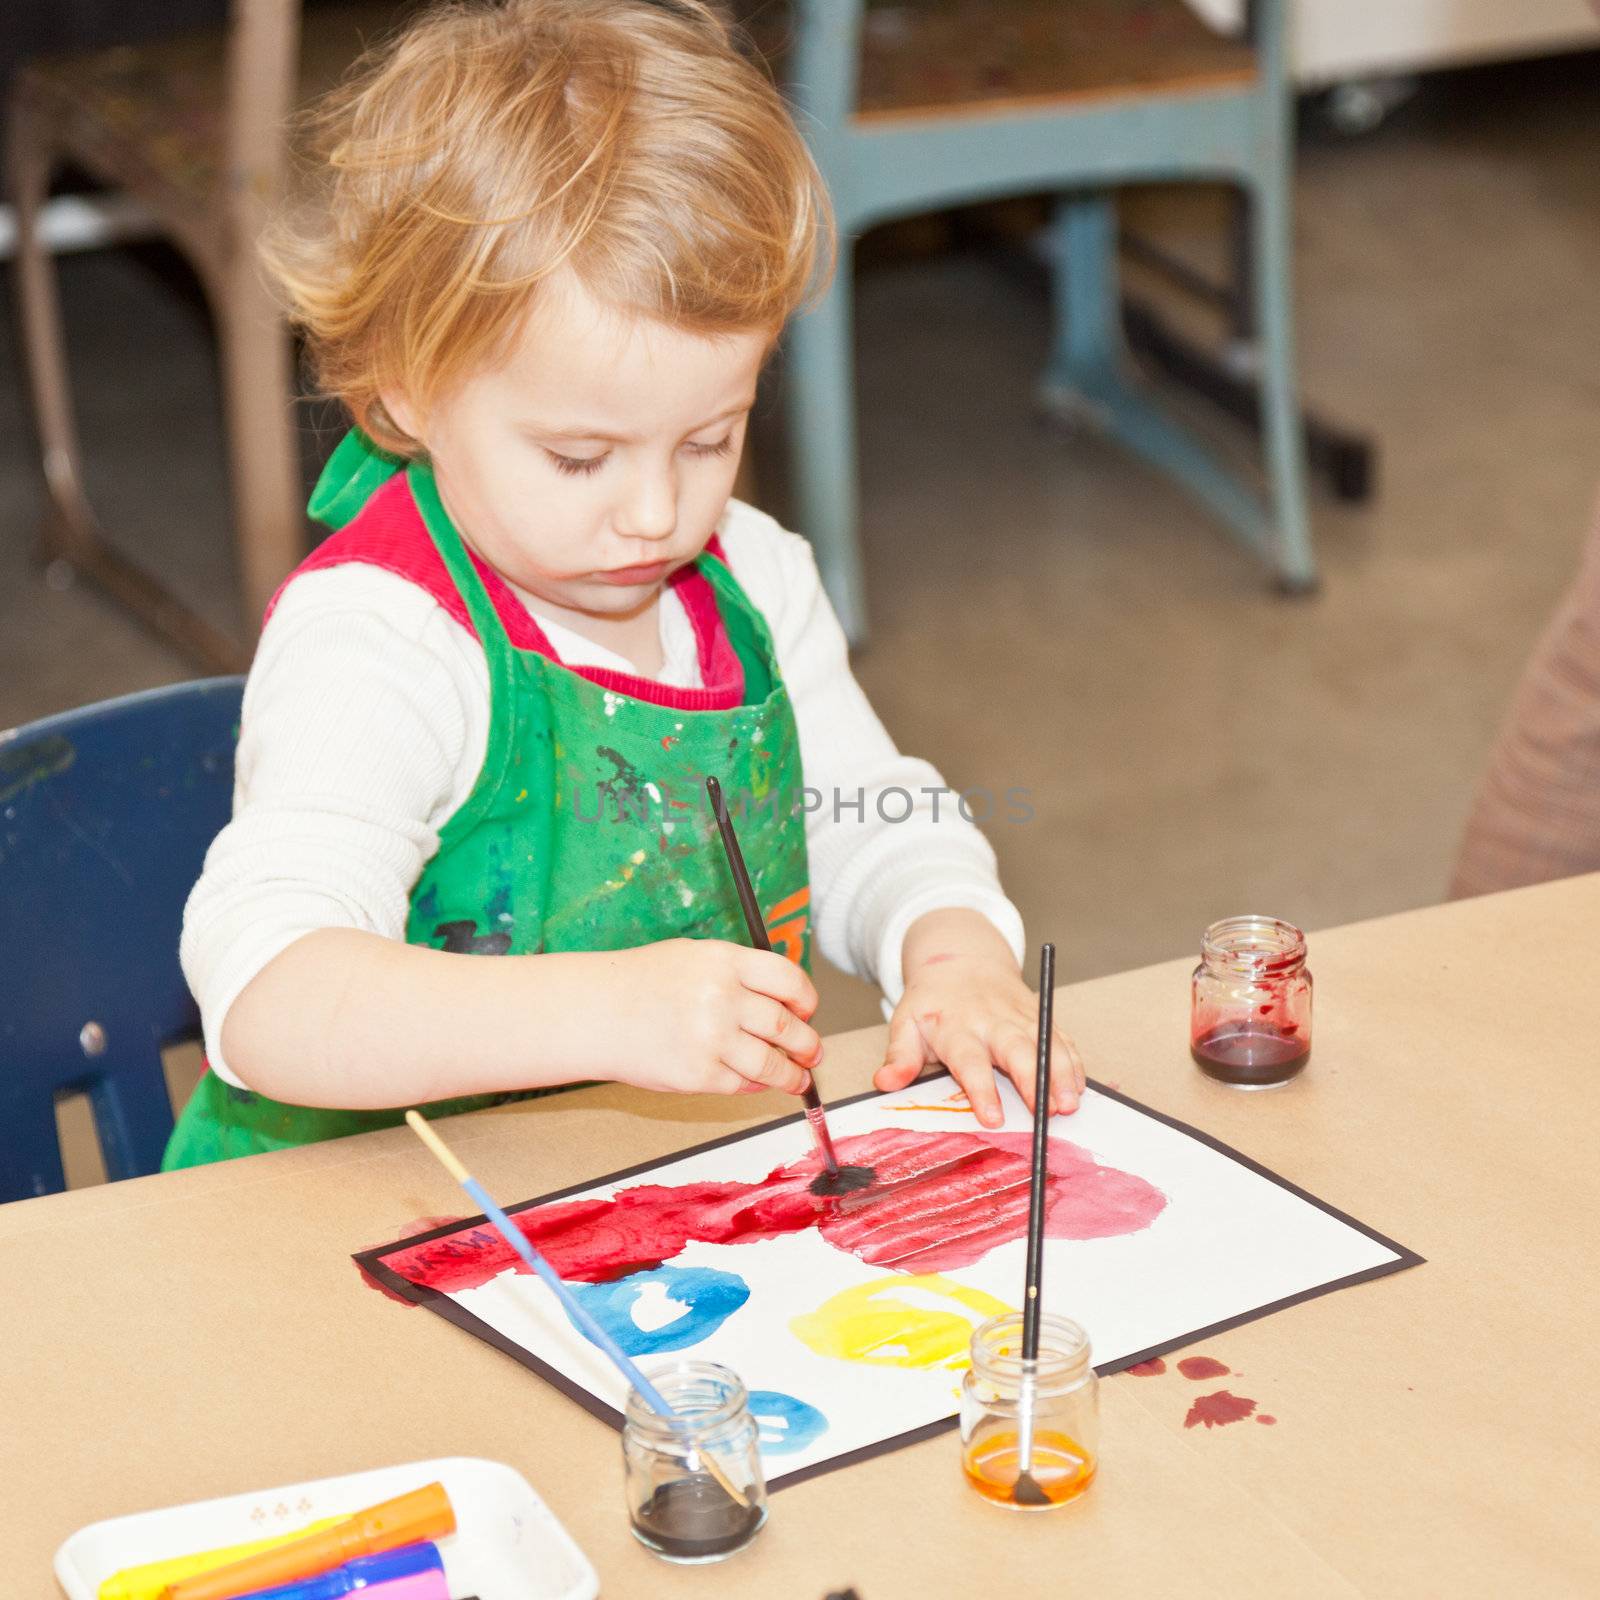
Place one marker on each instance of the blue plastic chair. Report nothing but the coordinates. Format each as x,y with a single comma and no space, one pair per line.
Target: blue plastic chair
105,817
896,159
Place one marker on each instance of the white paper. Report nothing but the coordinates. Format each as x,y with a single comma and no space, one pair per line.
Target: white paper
1227,1243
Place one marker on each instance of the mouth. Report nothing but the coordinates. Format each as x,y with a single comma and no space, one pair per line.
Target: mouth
635,577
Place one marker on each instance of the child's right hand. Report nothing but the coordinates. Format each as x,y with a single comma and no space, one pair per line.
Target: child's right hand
702,1016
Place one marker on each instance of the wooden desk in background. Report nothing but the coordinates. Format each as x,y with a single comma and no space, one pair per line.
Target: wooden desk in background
179,1337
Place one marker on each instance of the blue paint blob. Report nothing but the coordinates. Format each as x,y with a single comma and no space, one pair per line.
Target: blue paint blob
785,1423
705,1297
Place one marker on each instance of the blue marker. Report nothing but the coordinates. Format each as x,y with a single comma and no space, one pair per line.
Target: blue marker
413,1561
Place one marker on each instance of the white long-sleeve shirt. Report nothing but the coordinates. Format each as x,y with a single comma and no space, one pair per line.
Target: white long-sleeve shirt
366,719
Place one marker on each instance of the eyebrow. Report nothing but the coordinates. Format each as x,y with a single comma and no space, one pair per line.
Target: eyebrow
602,436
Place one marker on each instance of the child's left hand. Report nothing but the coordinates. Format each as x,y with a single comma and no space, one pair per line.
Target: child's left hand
965,1004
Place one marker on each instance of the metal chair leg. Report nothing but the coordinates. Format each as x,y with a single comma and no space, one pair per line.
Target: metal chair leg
1282,429
819,384
69,529
1084,291
1087,379
263,447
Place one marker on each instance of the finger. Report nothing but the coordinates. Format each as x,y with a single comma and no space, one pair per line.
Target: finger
773,1021
1017,1057
720,1079
765,1064
1067,1076
771,974
972,1067
904,1057
1063,1083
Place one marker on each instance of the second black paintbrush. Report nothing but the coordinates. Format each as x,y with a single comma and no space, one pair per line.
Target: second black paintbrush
1026,1491
757,925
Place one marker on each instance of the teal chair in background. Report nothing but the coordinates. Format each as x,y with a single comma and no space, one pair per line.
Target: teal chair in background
929,104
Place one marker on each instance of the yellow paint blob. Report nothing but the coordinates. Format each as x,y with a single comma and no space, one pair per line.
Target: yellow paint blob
899,1321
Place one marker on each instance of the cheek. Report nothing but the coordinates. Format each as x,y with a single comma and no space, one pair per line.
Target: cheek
553,519
526,496
473,475
709,488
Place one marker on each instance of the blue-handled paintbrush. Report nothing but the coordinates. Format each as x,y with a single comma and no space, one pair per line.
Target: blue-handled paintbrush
570,1303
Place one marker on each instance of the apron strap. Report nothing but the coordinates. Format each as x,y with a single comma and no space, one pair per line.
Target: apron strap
354,473
497,652
746,627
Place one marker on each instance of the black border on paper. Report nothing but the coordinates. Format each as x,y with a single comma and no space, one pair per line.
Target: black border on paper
371,1262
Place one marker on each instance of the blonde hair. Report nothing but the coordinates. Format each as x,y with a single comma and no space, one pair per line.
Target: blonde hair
489,145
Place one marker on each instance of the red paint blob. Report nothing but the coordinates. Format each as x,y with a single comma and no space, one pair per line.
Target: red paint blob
1218,1410
418,1225
940,1200
1201,1367
1153,1368
1270,1421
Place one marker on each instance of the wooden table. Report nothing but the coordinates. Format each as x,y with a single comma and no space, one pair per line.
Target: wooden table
180,1337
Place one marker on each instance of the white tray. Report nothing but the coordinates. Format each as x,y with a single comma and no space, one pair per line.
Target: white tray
507,1544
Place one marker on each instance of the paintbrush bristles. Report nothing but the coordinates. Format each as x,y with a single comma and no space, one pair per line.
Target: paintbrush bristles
437,1145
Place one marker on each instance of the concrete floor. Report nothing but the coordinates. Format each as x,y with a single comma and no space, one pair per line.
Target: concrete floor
1050,615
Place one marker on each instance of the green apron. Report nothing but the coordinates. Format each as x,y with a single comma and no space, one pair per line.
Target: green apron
587,828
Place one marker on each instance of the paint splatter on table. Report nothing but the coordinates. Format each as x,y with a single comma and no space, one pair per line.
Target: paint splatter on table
1218,1410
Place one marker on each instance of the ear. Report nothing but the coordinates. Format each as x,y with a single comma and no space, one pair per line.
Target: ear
402,413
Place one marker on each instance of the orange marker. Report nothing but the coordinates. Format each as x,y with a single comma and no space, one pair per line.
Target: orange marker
423,1514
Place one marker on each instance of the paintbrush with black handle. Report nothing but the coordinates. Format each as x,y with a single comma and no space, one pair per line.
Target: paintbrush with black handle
757,925
1026,1490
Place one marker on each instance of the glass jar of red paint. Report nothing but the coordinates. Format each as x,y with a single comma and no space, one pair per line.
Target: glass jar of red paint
1250,1019
1045,1421
678,1505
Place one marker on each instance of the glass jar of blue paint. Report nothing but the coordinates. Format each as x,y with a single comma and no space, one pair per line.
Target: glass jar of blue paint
678,1505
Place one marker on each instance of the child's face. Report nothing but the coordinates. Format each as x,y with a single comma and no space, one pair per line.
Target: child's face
598,456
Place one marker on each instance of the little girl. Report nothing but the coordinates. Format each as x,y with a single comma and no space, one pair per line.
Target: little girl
558,240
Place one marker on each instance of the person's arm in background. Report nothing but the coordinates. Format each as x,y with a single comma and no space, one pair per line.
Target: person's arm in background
1537,811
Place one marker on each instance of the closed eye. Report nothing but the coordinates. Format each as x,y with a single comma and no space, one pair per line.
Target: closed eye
720,448
577,466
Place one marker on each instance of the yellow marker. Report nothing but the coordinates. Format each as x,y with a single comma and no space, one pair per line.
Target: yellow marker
148,1582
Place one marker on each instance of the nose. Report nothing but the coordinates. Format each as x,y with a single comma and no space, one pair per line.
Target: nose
650,508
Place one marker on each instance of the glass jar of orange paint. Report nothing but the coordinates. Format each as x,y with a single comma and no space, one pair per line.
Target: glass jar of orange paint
1250,1014
1030,1440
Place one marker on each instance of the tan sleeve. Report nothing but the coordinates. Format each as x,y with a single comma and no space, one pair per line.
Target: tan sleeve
1537,811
